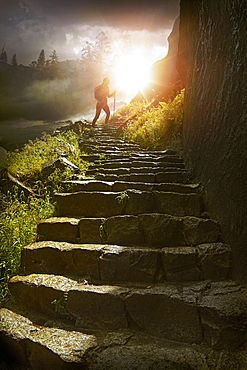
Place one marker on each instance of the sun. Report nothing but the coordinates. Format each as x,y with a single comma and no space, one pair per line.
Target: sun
132,73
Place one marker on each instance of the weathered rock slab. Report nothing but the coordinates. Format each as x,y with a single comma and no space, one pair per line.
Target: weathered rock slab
185,312
60,163
123,264
47,348
90,230
59,229
215,261
88,204
161,230
113,263
166,312
130,202
180,264
66,259
223,312
121,351
123,230
150,229
37,292
95,185
98,307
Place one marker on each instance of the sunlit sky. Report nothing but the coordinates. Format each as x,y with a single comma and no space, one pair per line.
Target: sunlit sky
28,26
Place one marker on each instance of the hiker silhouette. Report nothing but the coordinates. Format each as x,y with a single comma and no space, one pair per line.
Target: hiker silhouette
101,93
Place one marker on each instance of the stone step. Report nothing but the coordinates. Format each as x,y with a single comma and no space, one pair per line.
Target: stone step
134,164
129,202
160,177
94,185
41,346
130,171
113,264
125,147
104,140
151,230
189,313
142,156
108,144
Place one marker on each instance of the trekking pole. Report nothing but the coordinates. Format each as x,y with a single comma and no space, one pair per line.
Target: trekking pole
114,104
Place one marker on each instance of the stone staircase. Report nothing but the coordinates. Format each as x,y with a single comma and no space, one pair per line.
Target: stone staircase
131,274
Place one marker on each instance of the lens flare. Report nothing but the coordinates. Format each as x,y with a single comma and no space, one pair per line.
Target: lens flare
132,74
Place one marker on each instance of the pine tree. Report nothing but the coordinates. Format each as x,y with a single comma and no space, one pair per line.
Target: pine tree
54,57
41,58
102,50
14,61
52,66
87,57
3,57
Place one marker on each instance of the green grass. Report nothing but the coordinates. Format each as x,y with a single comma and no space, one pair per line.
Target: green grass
26,164
156,127
18,223
19,216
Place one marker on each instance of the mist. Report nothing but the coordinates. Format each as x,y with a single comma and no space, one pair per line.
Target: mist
35,99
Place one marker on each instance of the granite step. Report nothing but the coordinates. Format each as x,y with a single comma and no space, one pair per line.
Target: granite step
190,312
111,264
131,202
160,177
91,149
47,345
150,230
134,164
107,144
142,156
95,185
103,140
121,170
39,347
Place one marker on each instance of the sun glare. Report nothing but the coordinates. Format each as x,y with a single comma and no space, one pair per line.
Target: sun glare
132,74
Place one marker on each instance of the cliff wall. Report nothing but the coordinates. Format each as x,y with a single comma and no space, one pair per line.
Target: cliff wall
164,72
212,57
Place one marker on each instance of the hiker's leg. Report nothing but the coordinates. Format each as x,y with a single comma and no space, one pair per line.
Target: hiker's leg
97,114
107,111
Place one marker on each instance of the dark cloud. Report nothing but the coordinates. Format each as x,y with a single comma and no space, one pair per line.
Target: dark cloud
135,14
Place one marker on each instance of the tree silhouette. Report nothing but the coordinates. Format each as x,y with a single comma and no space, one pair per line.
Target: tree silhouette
88,59
41,59
14,61
102,49
3,57
53,58
52,66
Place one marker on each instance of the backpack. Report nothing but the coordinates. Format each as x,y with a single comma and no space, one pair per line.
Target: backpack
98,93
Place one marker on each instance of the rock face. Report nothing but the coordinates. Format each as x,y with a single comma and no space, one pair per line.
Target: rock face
212,61
164,72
